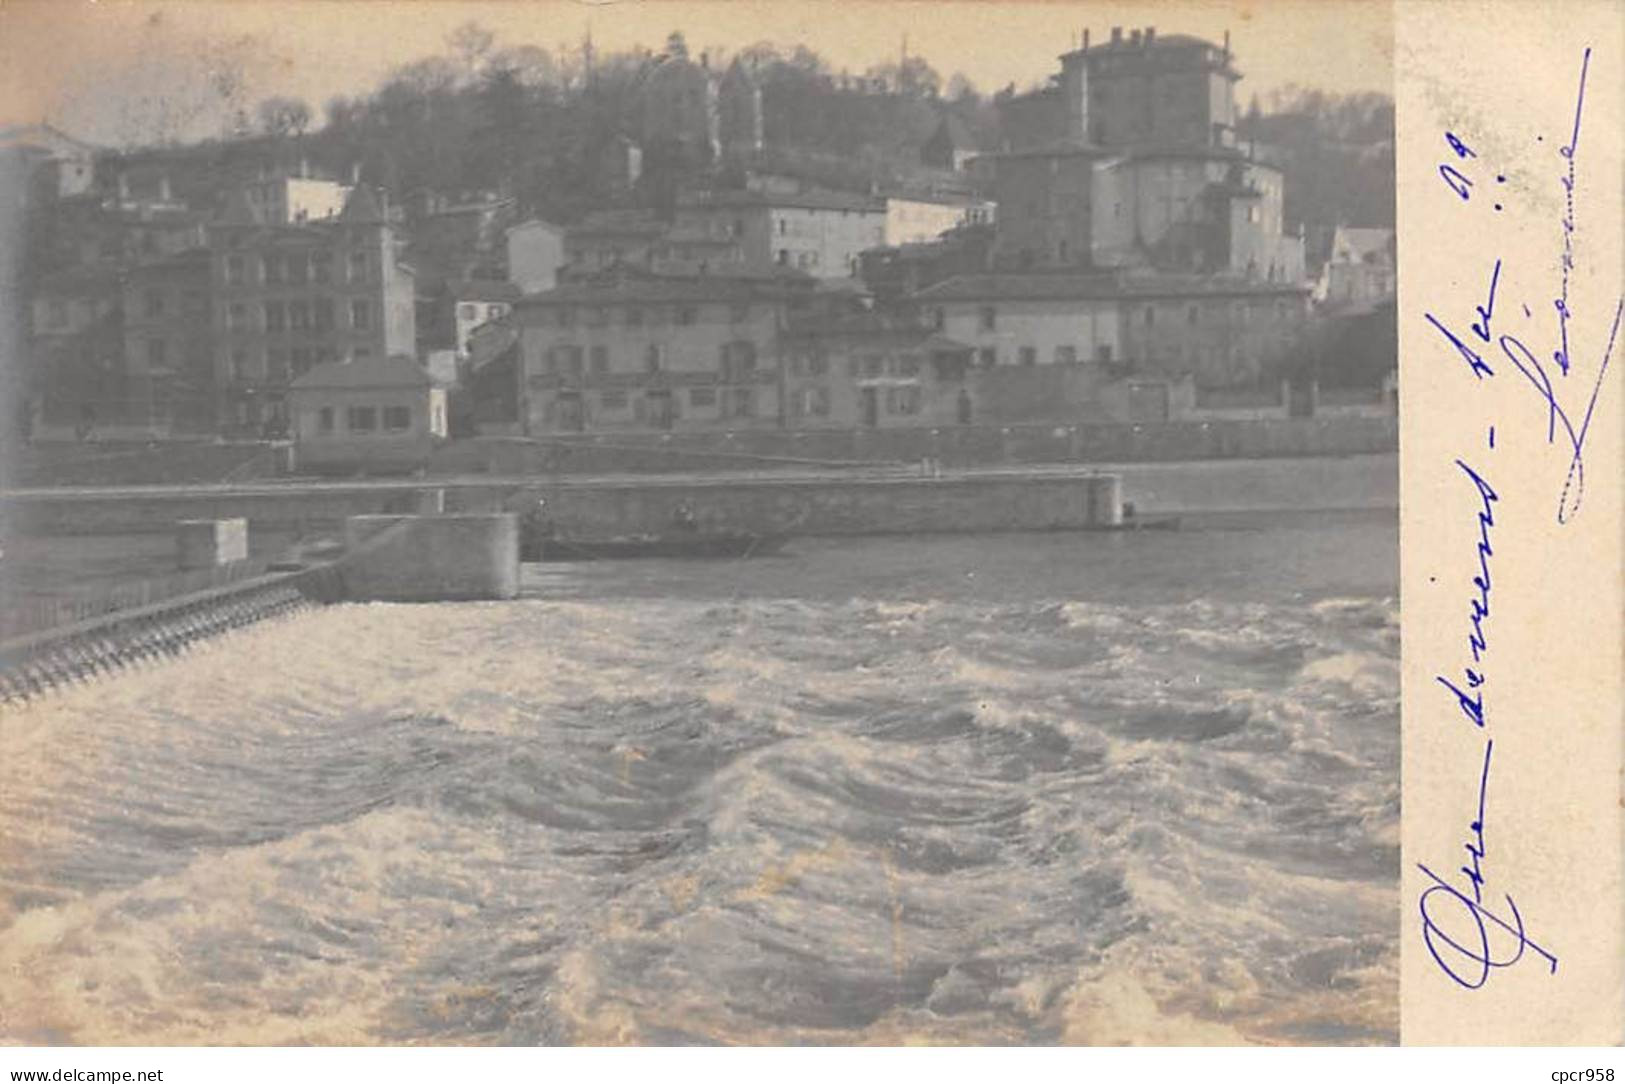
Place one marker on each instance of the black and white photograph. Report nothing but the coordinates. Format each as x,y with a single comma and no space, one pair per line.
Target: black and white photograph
699,523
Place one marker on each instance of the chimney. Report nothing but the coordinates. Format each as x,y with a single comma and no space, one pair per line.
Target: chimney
355,172
1134,37
1086,39
1150,34
304,167
1227,44
123,186
163,188
1117,35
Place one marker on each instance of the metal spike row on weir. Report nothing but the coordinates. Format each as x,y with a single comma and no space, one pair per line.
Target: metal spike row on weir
169,633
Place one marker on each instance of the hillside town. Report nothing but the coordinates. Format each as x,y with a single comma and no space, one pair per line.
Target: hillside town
657,245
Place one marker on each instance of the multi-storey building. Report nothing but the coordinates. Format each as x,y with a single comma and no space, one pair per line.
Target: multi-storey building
1218,329
822,233
873,371
77,374
1360,271
290,296
1143,170
169,342
652,352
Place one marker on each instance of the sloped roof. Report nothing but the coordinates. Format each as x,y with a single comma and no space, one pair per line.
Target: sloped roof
483,290
1027,286
816,199
393,372
362,206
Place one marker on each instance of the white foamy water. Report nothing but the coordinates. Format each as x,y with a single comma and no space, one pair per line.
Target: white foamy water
1025,789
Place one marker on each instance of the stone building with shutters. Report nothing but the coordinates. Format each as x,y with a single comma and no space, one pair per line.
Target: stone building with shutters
642,351
288,296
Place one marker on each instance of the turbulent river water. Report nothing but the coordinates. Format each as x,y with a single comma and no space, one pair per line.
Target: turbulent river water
1025,788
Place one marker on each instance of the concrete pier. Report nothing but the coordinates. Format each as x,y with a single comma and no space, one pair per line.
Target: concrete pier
208,543
431,558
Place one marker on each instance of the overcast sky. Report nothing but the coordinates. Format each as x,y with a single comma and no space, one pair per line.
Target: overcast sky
120,72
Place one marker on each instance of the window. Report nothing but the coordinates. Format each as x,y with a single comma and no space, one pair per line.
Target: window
686,315
157,353
324,420
324,354
1103,352
939,318
634,316
360,314
467,313
990,317
739,312
1150,315
737,358
1029,355
600,359
397,419
271,266
741,402
571,356
276,362
237,317
301,360
817,363
298,268
1190,315
784,226
873,364
904,400
323,313
361,353
908,365
1066,355
358,267
702,397
613,400
784,256
235,270
567,316
321,266
239,364
155,303
811,403
654,358
299,315
275,316
598,317
361,419
987,357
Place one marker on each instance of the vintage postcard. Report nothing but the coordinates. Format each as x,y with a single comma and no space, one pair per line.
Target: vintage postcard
739,522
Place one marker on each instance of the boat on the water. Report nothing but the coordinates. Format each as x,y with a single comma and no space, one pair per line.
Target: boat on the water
692,545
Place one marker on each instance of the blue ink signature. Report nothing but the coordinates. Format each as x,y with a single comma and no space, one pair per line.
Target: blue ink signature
1472,704
1467,943
1561,355
1563,423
